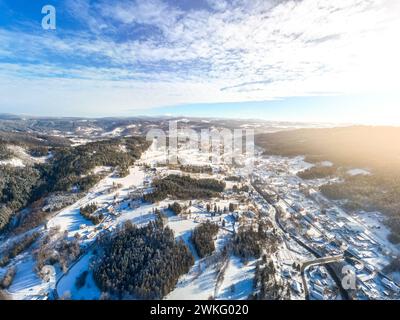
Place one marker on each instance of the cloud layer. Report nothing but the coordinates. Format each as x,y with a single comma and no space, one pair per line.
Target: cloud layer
112,57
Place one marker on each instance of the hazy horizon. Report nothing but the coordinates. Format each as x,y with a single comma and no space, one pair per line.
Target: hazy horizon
324,110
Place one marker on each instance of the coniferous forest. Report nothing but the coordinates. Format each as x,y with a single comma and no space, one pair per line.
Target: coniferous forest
142,263
69,167
184,188
202,238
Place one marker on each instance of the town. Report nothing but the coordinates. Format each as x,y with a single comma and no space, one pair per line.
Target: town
313,248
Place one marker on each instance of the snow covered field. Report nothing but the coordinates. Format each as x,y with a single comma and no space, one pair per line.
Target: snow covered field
192,286
27,285
216,276
237,282
66,286
21,157
70,218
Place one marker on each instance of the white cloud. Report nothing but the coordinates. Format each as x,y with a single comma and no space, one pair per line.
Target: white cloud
238,51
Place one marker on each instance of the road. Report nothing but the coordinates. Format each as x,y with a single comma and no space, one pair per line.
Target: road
316,262
87,250
314,252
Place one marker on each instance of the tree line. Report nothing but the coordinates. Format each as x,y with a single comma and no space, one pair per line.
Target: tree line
184,188
203,238
8,278
69,167
175,208
318,172
17,247
88,212
143,263
250,242
375,192
267,285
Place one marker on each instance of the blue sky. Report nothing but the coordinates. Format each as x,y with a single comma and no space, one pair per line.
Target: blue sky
301,60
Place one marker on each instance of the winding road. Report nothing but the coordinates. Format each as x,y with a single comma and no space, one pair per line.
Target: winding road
314,252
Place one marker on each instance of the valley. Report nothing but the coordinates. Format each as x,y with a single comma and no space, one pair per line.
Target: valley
277,236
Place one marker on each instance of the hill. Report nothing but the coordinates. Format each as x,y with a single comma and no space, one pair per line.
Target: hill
376,148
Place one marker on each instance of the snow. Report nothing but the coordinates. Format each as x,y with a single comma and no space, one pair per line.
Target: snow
100,169
134,178
66,284
22,157
237,282
27,285
139,216
78,141
293,165
201,281
186,154
87,130
364,231
154,155
70,218
326,163
374,224
198,284
194,157
355,172
114,133
181,227
217,276
14,162
122,148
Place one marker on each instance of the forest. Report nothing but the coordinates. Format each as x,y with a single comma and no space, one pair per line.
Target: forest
269,287
5,153
142,263
81,280
36,144
249,242
175,208
60,250
8,278
88,212
196,169
203,238
370,193
318,172
17,186
375,148
68,167
17,247
184,188
69,164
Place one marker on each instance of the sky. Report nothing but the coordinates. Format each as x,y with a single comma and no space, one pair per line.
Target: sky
298,60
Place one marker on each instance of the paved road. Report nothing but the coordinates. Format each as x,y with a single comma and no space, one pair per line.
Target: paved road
314,252
316,262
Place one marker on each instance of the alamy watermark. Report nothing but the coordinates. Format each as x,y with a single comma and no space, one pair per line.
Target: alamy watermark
349,280
49,21
220,146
